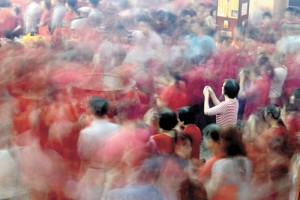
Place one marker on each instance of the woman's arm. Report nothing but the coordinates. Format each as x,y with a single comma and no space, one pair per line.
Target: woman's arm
213,96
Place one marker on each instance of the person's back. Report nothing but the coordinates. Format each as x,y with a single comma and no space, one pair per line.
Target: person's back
95,16
33,15
58,15
236,174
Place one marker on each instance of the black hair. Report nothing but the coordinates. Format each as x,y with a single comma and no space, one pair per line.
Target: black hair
187,115
267,14
94,2
275,112
167,119
211,12
231,88
99,106
232,142
262,60
212,131
186,12
72,4
5,3
291,10
182,138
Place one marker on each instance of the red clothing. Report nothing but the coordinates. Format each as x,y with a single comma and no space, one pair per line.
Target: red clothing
70,15
164,143
175,96
46,17
8,20
195,83
292,122
195,133
205,171
257,95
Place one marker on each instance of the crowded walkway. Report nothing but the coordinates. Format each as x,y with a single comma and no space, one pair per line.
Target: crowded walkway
147,100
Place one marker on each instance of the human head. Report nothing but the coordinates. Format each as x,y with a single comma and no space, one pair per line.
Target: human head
167,119
183,146
56,2
94,3
231,142
47,4
267,15
72,4
289,13
186,115
273,112
212,136
5,3
98,106
231,88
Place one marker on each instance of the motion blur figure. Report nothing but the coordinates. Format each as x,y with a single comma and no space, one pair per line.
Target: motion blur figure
32,16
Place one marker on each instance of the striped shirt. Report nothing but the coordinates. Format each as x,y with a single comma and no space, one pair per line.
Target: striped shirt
226,112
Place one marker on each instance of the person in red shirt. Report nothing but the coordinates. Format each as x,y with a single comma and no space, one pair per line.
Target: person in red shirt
163,142
177,173
175,95
212,141
186,116
8,19
72,13
257,95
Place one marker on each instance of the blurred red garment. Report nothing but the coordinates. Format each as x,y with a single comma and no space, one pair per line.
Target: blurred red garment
257,95
8,21
195,133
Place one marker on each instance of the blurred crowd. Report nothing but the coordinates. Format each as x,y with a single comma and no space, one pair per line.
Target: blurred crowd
120,99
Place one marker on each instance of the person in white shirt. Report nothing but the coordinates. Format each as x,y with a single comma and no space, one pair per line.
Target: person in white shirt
58,14
279,77
32,17
95,16
91,141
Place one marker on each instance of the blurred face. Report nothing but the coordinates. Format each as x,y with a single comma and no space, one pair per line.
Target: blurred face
210,144
184,149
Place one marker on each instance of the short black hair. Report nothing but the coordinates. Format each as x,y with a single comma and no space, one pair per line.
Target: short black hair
267,14
72,4
187,115
167,119
94,2
99,106
212,131
231,88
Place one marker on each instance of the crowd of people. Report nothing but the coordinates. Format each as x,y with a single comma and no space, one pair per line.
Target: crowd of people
117,99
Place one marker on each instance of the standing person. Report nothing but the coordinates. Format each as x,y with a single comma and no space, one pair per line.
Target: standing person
96,16
8,18
280,74
72,13
212,142
99,129
177,178
275,141
163,142
47,12
187,117
230,175
32,16
226,111
91,141
257,93
58,15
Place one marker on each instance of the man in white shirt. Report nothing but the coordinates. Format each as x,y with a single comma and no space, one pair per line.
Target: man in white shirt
58,14
279,77
32,17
